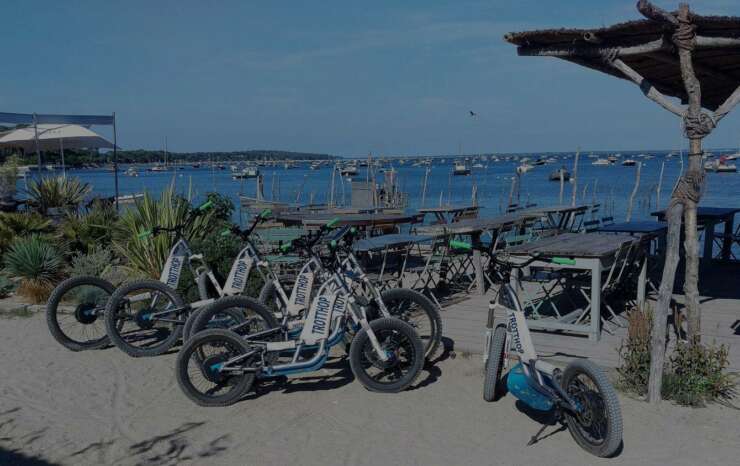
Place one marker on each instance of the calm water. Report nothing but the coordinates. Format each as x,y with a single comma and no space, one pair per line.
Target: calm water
613,184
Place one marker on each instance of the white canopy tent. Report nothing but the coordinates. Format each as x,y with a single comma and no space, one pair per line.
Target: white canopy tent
53,137
47,129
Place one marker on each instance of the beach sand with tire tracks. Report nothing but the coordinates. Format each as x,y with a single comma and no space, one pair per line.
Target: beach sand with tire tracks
103,407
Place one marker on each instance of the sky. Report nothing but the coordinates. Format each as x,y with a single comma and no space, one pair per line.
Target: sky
335,76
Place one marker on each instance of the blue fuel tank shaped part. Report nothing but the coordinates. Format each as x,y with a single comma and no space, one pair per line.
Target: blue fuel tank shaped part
520,386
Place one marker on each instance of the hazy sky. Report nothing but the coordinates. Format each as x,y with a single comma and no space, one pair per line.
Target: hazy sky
337,76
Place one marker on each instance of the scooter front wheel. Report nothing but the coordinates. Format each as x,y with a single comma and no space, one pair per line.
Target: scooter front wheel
200,368
494,364
597,426
404,356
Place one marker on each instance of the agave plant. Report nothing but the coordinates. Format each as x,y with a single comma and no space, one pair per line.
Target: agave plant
147,255
14,225
57,192
38,265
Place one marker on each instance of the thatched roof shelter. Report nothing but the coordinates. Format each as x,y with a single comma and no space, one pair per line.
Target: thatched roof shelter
647,47
669,54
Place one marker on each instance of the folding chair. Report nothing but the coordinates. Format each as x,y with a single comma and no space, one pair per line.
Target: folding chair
719,241
595,210
576,221
607,221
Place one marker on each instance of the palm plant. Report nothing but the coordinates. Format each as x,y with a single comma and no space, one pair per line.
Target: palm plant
147,255
57,192
14,225
38,265
87,231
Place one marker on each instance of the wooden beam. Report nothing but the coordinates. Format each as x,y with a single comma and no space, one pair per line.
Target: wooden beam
728,105
647,88
703,42
578,50
655,13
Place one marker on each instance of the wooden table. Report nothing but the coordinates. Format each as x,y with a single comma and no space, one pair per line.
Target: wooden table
475,228
451,214
592,252
559,216
316,220
709,217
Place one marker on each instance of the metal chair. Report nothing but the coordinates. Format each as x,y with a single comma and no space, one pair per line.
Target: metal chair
719,241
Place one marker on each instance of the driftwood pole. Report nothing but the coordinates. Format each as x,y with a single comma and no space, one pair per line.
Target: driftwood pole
634,191
574,179
562,185
660,186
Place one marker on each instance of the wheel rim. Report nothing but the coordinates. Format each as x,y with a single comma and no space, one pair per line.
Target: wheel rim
413,314
136,322
400,350
591,419
203,374
78,311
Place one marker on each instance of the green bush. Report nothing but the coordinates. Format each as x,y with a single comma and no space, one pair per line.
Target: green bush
693,375
59,192
92,229
38,265
696,374
18,225
95,263
6,286
147,255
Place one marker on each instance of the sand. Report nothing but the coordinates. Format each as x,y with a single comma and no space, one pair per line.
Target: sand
102,407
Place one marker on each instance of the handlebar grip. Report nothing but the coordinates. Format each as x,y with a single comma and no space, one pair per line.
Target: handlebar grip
461,245
332,223
563,261
205,206
265,214
145,234
286,247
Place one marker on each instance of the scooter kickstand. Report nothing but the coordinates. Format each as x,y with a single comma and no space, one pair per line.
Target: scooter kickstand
535,437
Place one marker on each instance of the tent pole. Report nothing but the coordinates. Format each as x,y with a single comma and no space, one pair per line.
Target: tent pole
115,158
36,141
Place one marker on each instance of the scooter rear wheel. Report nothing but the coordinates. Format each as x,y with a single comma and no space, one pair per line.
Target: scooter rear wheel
598,427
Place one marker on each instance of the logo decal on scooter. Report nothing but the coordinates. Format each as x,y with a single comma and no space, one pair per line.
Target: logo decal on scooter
240,275
322,314
514,329
300,294
173,274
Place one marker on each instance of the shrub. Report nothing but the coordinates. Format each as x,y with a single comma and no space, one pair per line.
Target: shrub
693,375
6,286
38,265
14,225
8,178
635,352
95,263
86,231
696,374
147,255
57,192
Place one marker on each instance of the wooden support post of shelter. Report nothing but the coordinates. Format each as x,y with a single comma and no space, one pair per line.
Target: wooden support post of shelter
668,55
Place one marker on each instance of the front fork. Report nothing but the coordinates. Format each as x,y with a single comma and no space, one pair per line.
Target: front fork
360,317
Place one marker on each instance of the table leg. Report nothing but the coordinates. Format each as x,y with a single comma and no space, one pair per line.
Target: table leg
642,283
480,280
727,240
708,240
595,334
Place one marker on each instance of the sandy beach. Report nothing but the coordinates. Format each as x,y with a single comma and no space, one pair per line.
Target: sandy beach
102,407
